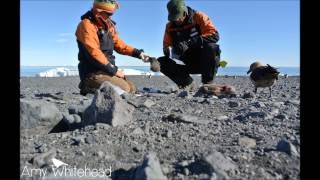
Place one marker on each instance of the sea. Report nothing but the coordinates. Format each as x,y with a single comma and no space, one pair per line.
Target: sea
32,71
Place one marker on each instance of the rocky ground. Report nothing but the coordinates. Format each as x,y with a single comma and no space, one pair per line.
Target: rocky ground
168,134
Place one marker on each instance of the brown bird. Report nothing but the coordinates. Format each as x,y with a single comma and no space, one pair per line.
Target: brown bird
154,64
263,76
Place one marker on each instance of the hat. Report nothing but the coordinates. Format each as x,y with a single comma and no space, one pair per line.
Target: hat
176,9
109,6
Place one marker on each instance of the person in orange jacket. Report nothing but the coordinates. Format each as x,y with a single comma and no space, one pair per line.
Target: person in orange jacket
97,38
192,37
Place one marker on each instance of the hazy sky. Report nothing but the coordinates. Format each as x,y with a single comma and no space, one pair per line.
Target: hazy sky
268,31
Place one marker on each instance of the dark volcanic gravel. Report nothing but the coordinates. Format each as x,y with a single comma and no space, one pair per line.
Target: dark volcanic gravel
259,135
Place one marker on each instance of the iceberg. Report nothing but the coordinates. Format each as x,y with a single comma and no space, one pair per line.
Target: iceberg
59,72
136,72
64,72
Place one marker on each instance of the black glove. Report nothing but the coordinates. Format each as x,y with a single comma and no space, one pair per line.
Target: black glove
195,41
111,69
136,53
181,47
166,52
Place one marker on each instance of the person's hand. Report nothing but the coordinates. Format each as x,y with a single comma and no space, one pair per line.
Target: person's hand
144,57
166,51
119,74
181,47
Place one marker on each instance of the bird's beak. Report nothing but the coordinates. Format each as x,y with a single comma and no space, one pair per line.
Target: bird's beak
249,71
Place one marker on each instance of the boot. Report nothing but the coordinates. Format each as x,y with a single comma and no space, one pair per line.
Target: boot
190,87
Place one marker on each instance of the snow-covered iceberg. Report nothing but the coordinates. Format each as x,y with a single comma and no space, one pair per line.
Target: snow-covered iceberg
59,72
136,72
63,72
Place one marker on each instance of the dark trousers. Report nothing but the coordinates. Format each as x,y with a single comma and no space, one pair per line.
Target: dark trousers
202,61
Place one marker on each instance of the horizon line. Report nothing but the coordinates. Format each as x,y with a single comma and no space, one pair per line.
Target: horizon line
128,66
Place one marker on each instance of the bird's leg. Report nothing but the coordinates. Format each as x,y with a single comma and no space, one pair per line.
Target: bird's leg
255,90
270,91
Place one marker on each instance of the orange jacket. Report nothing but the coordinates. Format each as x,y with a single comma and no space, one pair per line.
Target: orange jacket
198,19
86,33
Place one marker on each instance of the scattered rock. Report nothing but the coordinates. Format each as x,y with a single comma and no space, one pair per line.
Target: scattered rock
285,146
81,153
210,101
148,103
170,89
83,106
90,139
180,141
100,154
214,97
240,118
199,99
277,104
259,104
108,107
138,131
169,133
263,173
186,171
134,103
184,94
257,114
77,140
220,164
294,102
274,111
185,119
44,159
234,104
126,96
35,113
56,101
42,148
214,176
222,118
151,90
184,163
247,142
281,116
102,126
78,109
150,169
68,119
73,109
247,95
138,148
77,118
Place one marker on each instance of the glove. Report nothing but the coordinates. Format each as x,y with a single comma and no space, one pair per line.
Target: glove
111,69
166,52
136,53
181,47
195,41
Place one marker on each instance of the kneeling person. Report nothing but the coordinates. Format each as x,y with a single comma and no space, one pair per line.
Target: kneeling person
193,37
97,39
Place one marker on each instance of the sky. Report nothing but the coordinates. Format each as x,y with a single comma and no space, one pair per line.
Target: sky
250,30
